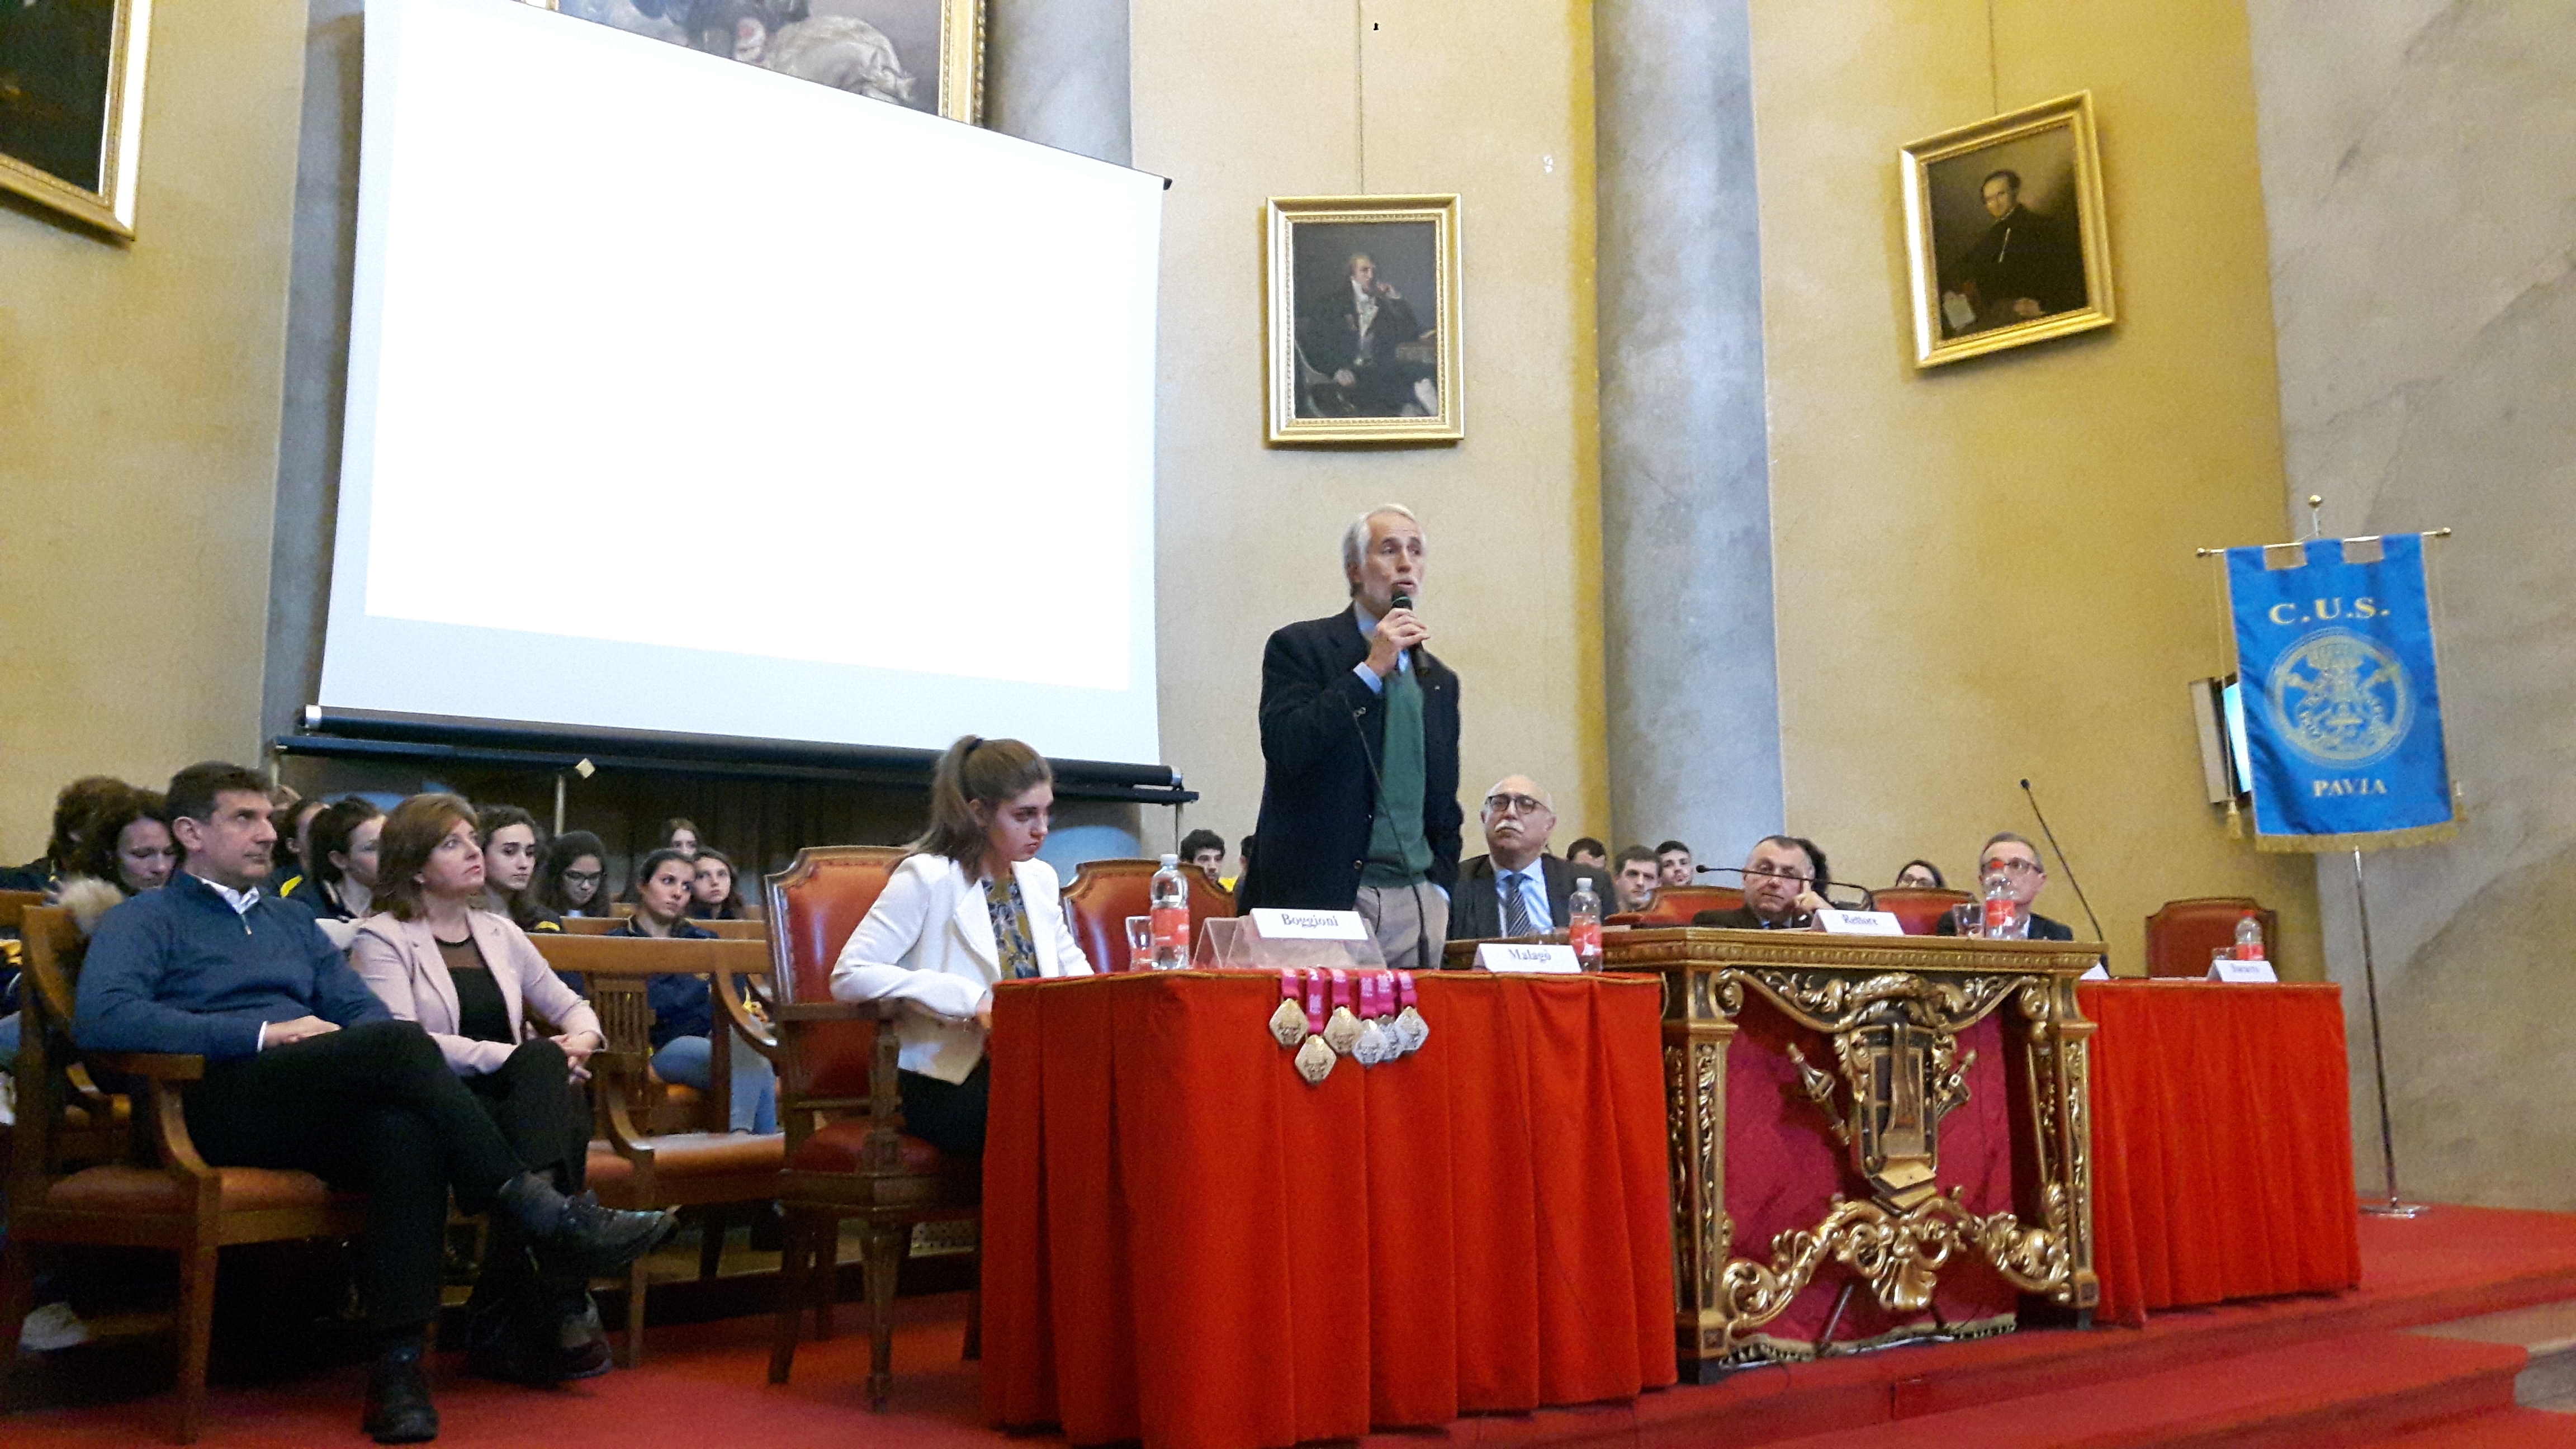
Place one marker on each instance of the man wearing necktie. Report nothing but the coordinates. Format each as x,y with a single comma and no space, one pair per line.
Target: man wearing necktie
1516,888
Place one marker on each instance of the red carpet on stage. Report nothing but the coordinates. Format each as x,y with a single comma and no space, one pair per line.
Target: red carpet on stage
2308,1370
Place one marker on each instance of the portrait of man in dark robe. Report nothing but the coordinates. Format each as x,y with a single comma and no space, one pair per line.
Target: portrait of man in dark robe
1365,313
54,61
2025,265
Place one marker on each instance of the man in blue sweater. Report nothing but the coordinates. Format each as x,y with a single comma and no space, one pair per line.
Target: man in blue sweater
305,1069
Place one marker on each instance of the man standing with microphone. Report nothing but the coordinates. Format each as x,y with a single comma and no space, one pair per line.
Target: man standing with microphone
1359,744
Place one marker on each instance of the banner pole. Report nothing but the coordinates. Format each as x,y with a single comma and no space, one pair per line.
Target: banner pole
2394,1207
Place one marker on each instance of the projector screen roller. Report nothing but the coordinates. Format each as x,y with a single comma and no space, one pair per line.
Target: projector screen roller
685,396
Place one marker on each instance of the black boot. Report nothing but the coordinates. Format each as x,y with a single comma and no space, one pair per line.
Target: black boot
574,1236
398,1406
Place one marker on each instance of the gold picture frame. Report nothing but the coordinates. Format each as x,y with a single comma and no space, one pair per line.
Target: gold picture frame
904,26
1360,354
2006,239
84,162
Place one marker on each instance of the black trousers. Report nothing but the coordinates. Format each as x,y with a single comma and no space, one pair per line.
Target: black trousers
543,1114
947,1115
374,1109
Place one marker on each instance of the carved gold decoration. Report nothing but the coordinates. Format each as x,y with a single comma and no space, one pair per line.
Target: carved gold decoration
1893,1009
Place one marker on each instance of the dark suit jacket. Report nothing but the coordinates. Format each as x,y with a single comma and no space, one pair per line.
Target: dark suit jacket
1476,914
1741,918
1322,735
2041,928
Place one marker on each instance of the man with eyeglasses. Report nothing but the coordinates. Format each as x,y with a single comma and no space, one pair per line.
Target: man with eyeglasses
1779,888
1516,888
2017,861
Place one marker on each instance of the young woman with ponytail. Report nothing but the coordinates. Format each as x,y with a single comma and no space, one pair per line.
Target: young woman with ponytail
970,907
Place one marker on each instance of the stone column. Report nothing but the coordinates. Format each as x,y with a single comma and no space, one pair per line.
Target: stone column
1055,72
1693,680
317,361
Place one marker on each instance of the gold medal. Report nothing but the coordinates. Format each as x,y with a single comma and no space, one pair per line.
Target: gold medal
1342,1031
1411,1031
1315,1061
1288,1024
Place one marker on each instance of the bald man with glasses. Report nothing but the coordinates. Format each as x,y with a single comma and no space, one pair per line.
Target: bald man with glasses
2017,861
1516,888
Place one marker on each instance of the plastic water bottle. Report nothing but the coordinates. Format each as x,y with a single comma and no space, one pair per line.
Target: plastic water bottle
1171,916
2249,938
1583,924
1998,920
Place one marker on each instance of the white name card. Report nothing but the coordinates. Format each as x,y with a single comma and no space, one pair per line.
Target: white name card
2258,971
2099,972
1278,925
1859,923
1507,956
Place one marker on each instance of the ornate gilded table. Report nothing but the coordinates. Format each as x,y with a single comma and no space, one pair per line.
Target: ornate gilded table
1885,1019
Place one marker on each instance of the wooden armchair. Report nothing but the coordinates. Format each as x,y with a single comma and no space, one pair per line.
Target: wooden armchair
1104,893
633,1167
1675,905
178,1204
2181,934
847,1156
94,1125
1919,909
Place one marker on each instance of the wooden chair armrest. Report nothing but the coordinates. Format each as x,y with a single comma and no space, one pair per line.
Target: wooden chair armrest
748,1027
836,1011
154,1066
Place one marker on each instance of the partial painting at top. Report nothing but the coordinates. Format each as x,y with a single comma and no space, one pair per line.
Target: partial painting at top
71,104
924,54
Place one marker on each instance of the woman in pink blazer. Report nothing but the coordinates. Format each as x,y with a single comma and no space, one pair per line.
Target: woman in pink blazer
473,980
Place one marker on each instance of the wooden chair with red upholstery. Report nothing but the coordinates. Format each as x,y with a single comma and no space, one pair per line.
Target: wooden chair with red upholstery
637,1163
1104,893
2181,935
93,1125
1676,905
1919,909
177,1204
847,1155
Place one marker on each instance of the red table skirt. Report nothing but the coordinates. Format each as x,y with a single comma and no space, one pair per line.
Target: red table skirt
2222,1144
1186,1244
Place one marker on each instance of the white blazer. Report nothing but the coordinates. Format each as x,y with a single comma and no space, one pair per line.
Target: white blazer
399,961
928,942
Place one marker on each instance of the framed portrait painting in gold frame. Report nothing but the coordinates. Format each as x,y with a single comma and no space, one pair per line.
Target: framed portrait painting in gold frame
71,106
1364,342
2006,239
924,55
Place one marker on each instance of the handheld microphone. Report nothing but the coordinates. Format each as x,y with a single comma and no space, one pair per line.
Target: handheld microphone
2063,864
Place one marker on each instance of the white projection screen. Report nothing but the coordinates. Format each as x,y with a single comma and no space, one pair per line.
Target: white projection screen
688,397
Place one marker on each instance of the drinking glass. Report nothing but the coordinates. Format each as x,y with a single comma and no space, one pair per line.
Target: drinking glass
1140,943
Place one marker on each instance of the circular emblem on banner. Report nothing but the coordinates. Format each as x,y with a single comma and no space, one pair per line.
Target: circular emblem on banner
2341,700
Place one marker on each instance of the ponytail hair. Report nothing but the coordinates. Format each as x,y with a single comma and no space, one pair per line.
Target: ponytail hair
976,771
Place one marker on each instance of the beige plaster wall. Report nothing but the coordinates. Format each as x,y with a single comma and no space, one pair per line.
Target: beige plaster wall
1260,98
1985,571
139,391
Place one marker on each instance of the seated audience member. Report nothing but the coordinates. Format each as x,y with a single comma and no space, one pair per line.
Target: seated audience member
125,850
576,879
513,846
2017,861
306,1069
344,849
437,955
684,1009
73,806
716,893
971,906
1920,875
1779,888
1206,850
1636,880
680,834
1589,856
1515,888
1673,859
295,873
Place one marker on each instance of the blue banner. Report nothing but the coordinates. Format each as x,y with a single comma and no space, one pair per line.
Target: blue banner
2343,715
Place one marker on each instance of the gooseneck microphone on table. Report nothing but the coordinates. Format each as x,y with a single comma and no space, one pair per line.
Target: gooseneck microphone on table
2064,864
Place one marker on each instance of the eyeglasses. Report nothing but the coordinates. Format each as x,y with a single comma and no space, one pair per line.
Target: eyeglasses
584,877
1512,805
1796,875
2012,867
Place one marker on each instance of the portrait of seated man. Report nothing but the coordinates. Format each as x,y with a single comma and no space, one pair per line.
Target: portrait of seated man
1361,341
2027,265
